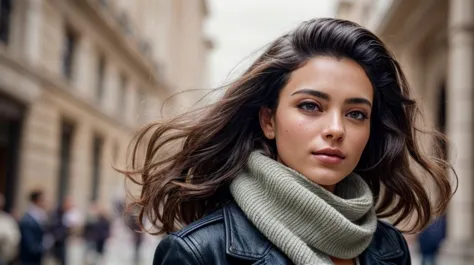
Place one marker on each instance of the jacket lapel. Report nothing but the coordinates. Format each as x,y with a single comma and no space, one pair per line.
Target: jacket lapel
243,240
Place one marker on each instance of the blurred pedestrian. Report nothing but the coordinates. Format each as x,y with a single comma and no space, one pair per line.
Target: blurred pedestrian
60,229
430,240
33,226
96,233
134,224
9,235
119,206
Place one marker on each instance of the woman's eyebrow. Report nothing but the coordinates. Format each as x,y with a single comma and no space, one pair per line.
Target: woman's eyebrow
314,93
358,101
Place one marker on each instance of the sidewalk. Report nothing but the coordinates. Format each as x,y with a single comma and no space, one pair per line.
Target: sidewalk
118,251
442,259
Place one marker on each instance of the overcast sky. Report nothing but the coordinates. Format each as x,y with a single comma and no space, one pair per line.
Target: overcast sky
240,27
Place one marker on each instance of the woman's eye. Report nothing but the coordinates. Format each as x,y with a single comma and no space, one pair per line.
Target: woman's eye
357,115
309,106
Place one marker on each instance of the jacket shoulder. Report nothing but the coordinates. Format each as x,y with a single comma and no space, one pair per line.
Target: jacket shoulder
175,250
390,231
198,243
206,224
389,242
26,220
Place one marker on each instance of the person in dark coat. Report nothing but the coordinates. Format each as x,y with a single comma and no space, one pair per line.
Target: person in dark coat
33,225
97,231
60,230
133,223
430,240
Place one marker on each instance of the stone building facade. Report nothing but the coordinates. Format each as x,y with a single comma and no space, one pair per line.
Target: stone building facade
78,77
434,40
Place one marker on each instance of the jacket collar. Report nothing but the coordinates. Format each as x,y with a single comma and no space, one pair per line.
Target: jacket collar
383,248
244,241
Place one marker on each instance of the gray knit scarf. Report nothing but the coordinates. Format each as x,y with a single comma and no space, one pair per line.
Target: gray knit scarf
302,219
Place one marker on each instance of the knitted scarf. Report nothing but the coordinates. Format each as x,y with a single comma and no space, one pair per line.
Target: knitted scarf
306,222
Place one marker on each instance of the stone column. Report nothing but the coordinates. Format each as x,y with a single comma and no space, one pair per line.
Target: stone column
459,247
111,89
130,102
33,29
81,164
84,79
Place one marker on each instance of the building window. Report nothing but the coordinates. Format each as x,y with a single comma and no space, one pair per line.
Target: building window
5,12
125,24
67,133
121,104
97,146
103,3
100,79
11,121
69,49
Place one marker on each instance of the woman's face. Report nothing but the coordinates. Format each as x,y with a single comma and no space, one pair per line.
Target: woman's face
322,123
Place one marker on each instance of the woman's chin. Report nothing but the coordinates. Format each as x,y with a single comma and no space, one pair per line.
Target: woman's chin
326,178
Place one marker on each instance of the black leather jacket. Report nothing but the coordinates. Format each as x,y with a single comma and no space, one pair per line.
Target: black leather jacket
226,237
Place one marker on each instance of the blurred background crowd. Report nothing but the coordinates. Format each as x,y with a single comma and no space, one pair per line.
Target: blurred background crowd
79,77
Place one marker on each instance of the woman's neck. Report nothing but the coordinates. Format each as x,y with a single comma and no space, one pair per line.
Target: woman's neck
337,261
330,188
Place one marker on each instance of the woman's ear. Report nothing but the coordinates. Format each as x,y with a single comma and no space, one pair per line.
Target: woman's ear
267,122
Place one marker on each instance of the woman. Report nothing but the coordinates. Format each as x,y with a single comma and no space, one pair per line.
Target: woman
288,166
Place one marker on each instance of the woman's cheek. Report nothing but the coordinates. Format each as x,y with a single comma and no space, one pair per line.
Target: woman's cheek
358,139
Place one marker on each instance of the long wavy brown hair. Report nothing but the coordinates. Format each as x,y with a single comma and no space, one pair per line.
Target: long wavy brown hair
185,165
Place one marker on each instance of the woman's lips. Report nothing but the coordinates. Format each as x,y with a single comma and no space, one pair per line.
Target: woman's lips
329,159
329,155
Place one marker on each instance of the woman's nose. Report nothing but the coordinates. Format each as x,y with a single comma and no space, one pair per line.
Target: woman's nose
335,128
